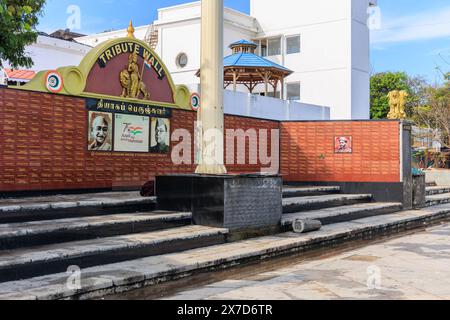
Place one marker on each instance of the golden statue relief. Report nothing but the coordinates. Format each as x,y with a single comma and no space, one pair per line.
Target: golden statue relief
132,80
397,102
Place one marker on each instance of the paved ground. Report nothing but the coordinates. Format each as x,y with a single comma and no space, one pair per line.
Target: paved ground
412,267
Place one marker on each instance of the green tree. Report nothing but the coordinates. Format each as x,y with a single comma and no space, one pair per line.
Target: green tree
380,85
18,20
435,115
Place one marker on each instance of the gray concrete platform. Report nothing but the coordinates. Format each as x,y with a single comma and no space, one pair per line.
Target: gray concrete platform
291,191
410,267
297,204
437,190
118,277
72,200
33,233
25,262
342,214
75,205
438,199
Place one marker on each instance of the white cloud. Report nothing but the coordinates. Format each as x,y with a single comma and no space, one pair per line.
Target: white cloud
432,24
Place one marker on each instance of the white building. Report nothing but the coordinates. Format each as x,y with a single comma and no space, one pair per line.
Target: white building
49,53
325,43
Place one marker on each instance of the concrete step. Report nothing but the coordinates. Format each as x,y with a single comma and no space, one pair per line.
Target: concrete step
431,191
292,192
31,262
116,278
14,210
298,204
341,214
438,199
36,233
431,184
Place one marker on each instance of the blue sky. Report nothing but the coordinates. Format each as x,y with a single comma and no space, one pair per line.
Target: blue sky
414,35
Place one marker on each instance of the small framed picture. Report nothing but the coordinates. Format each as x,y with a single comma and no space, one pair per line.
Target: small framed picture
343,144
160,135
100,131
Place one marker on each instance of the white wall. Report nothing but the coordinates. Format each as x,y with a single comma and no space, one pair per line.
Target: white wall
180,32
360,61
277,15
95,39
2,77
250,105
50,53
333,65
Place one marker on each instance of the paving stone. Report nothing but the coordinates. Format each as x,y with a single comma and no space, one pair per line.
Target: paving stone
165,266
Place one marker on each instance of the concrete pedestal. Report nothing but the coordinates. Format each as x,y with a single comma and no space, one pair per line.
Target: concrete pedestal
419,191
240,202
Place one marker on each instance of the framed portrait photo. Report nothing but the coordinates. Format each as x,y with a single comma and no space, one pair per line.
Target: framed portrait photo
160,135
343,144
100,128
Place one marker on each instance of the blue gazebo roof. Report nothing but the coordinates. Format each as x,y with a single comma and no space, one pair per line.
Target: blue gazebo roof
247,68
243,42
251,60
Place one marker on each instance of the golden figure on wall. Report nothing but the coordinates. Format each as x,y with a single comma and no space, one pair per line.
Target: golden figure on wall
132,80
397,102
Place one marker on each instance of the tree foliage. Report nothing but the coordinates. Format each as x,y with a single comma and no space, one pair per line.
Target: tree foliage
383,83
380,85
18,19
435,114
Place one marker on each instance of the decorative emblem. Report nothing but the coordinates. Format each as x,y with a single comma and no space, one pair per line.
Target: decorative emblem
195,101
131,79
53,81
397,102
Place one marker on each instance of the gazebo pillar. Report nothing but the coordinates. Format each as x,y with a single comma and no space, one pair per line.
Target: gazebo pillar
275,86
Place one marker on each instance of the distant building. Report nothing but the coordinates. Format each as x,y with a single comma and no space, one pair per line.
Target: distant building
66,35
50,52
15,77
426,138
325,43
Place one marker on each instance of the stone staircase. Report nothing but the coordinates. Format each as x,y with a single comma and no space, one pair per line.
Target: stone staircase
45,235
329,206
436,195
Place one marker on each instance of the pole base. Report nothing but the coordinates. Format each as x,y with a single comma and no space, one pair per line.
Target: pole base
215,169
233,202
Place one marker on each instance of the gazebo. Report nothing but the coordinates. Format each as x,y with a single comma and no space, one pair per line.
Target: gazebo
247,68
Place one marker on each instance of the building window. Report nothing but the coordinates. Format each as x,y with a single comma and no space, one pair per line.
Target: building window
264,48
293,91
270,47
292,44
182,60
274,46
270,94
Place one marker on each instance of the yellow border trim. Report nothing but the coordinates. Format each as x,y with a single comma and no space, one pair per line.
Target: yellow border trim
74,78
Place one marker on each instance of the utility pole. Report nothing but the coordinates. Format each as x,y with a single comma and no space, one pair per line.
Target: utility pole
211,83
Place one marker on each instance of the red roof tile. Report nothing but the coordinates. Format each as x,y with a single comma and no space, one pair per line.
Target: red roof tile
20,74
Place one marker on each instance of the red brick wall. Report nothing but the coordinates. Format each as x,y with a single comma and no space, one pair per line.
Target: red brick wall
307,151
43,143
